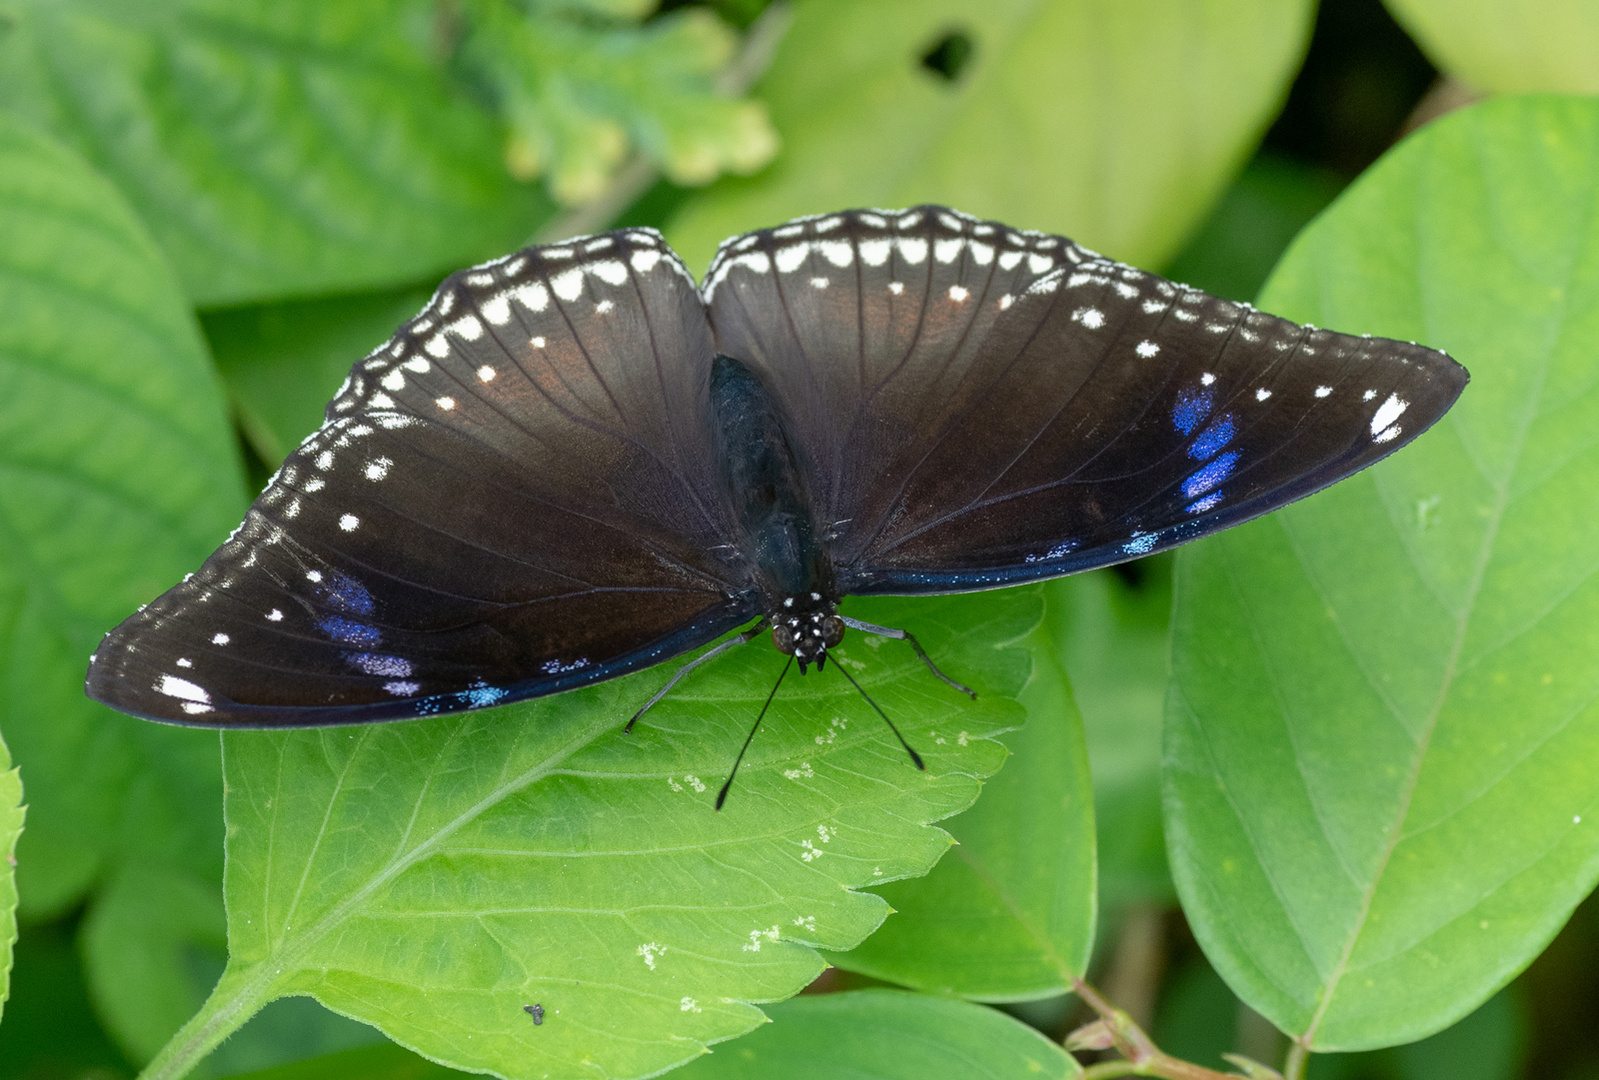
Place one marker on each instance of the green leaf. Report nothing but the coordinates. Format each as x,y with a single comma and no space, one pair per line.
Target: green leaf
1008,914
118,472
283,362
12,811
434,877
1112,641
1233,252
382,1062
1118,124
1381,796
275,149
886,1035
578,95
1508,46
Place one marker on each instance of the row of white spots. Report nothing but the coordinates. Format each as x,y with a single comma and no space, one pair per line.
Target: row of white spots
972,237
690,779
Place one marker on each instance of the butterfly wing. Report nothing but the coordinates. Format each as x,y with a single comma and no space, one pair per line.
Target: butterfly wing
514,496
980,406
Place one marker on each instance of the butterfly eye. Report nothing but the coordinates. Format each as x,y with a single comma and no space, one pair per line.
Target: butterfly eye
783,638
832,630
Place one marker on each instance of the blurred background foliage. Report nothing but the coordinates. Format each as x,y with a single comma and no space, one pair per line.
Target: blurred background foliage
308,172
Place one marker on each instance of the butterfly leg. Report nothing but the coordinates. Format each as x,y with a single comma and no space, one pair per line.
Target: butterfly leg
743,638
905,635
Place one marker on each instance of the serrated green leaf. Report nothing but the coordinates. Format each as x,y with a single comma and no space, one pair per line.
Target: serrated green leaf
578,95
118,472
1008,914
1508,46
1117,124
1112,641
435,877
1382,736
283,362
886,1035
274,149
12,813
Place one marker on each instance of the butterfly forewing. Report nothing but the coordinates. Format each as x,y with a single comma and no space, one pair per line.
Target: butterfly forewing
983,405
513,496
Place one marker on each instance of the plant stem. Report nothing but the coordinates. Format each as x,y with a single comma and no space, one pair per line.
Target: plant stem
235,999
1298,1058
1144,1058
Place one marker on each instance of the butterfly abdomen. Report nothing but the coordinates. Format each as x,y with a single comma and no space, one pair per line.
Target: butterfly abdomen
767,487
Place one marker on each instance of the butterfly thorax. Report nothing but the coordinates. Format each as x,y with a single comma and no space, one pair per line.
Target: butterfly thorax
788,561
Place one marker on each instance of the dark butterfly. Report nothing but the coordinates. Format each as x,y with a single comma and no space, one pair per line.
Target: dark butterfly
575,462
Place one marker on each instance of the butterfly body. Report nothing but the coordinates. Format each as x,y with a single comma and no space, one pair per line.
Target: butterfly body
577,461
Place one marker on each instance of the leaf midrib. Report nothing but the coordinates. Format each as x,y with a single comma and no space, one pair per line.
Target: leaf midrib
1502,498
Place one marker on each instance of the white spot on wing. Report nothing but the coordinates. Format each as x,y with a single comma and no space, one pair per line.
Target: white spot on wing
819,282
349,522
1092,318
274,615
789,259
172,686
1262,394
837,252
1146,349
486,373
534,296
912,249
394,380
1323,391
644,261
610,271
875,252
568,286
1388,412
445,403
947,251
497,309
896,287
958,293
220,639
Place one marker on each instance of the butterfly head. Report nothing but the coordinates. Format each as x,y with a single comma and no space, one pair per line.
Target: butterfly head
806,628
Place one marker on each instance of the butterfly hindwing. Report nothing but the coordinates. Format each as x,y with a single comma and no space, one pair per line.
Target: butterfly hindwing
513,496
981,405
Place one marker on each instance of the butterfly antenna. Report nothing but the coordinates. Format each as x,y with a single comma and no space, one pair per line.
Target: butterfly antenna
915,757
721,796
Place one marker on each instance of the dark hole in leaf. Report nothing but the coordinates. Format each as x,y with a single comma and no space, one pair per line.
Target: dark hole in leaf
950,55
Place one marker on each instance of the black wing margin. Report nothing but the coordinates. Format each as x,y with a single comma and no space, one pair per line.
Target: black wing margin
980,406
514,496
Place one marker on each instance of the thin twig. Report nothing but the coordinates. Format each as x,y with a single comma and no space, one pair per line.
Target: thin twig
638,174
1144,1058
1298,1058
1133,978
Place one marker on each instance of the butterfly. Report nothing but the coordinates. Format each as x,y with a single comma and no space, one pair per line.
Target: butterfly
577,461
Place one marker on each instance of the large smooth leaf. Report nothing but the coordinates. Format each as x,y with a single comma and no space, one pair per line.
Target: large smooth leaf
1008,914
1382,738
1112,640
435,877
283,362
1509,46
118,473
886,1035
1117,124
274,148
11,814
